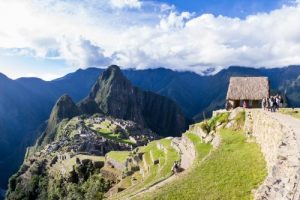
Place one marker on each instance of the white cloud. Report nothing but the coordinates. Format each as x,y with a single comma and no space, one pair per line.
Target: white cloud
95,33
126,3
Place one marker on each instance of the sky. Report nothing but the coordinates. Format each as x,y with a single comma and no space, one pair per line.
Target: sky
50,38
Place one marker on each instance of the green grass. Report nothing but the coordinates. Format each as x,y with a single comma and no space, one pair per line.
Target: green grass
113,136
230,172
289,111
119,156
211,124
156,172
202,149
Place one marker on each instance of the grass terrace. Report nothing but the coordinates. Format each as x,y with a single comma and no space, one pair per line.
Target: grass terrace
119,156
153,172
230,172
108,130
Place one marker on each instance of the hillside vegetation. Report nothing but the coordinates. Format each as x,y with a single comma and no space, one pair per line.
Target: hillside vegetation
231,171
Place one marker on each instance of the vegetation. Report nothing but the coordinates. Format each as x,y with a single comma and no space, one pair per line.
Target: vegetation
93,188
110,131
291,111
240,120
231,172
119,156
210,125
153,172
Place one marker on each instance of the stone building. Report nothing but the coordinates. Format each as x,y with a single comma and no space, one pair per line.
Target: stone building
247,91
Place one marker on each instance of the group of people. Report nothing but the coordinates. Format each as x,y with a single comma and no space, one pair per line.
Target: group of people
272,103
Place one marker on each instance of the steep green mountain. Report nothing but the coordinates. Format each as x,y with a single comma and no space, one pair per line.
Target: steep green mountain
114,95
64,108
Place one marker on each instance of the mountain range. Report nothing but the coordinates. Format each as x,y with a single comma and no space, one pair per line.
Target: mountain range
26,103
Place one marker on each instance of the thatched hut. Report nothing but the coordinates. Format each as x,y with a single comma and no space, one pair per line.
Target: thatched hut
249,90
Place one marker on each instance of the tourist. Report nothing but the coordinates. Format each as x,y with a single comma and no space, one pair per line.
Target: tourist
277,100
264,103
245,104
175,167
271,104
228,105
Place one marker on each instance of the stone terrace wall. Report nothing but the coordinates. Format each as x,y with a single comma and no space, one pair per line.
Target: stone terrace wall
281,153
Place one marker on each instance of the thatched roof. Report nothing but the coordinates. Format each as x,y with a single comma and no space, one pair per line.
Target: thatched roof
248,88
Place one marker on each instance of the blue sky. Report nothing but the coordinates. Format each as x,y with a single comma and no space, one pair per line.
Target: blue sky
231,8
50,38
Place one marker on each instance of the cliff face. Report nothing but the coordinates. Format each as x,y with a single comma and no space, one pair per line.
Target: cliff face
114,95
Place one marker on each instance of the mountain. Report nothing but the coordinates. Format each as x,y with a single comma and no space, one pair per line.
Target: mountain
291,89
114,95
26,103
64,108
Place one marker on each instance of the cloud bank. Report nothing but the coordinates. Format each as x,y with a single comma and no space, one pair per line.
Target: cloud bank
144,34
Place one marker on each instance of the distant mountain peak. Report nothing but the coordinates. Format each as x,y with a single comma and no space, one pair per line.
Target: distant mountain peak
112,72
3,76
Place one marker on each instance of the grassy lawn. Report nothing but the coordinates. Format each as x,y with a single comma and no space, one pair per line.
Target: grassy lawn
289,111
230,172
119,156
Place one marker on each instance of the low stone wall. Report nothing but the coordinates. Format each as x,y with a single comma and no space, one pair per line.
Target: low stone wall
281,153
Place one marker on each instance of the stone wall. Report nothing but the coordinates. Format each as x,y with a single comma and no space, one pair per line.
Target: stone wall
281,153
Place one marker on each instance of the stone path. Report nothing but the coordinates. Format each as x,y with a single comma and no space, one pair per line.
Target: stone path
288,121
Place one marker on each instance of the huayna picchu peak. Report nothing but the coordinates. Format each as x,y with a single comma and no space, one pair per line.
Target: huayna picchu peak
114,95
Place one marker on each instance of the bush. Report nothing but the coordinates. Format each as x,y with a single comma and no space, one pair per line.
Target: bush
208,126
205,127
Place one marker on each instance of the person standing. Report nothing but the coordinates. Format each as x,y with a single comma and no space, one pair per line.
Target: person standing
245,104
263,103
